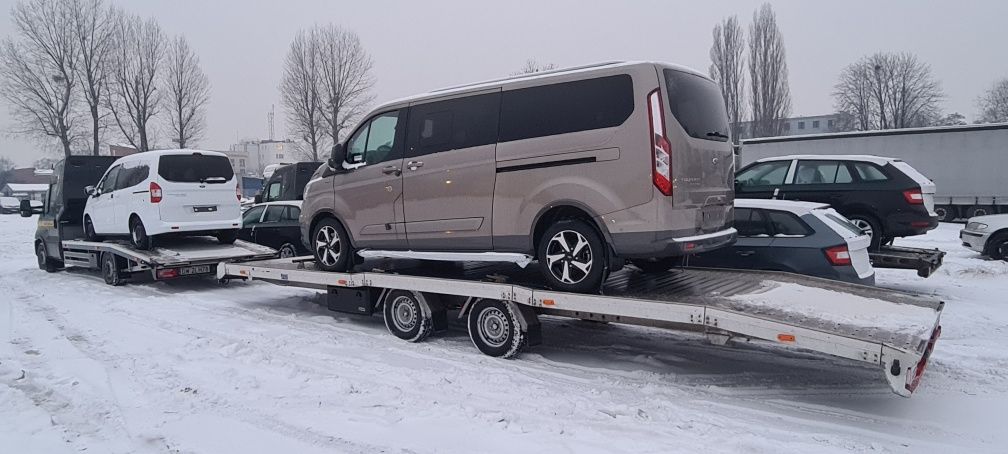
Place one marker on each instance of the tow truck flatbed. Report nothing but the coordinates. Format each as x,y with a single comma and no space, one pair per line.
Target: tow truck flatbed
188,256
890,329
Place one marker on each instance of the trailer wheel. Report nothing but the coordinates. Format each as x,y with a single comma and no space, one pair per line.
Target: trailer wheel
112,269
407,315
494,329
945,213
44,262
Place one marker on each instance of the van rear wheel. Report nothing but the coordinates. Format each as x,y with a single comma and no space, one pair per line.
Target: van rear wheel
227,236
138,235
572,256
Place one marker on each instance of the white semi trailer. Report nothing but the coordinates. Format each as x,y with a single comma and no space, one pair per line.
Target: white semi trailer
969,164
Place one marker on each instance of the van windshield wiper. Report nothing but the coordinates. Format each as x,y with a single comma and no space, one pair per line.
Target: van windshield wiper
718,134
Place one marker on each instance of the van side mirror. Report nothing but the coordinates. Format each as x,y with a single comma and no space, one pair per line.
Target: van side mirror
258,198
91,191
337,157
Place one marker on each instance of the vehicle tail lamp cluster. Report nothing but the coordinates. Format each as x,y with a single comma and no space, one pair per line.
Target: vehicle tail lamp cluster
155,193
914,196
838,255
661,170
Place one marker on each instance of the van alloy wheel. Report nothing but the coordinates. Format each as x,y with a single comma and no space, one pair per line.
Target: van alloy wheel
327,245
569,257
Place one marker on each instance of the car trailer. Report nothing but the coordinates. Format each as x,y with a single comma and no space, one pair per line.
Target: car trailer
501,305
925,261
188,257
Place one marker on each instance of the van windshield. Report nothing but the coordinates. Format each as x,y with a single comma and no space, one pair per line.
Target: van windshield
195,168
697,104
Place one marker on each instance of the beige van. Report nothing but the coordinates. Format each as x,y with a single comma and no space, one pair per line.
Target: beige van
553,167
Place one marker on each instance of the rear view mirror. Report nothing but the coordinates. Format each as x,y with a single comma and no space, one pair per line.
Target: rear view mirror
25,208
337,157
258,198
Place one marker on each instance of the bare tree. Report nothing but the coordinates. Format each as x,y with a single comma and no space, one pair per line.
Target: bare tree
994,103
188,91
38,72
727,63
770,95
133,96
532,66
300,92
93,27
346,79
889,91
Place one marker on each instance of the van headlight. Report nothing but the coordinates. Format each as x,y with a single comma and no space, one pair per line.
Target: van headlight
976,226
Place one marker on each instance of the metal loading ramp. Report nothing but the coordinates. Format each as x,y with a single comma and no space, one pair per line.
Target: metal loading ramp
891,329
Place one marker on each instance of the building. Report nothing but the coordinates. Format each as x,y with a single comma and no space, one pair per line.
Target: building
813,124
261,153
121,150
25,191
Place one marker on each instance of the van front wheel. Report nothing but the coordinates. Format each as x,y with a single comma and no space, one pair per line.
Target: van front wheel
331,246
572,256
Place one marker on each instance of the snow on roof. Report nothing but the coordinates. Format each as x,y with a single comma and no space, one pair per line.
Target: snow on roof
28,187
880,160
155,153
793,206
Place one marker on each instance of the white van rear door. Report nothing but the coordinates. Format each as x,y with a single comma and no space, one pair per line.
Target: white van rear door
197,187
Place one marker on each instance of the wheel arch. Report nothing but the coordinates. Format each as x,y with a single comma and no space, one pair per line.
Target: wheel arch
998,234
566,209
323,214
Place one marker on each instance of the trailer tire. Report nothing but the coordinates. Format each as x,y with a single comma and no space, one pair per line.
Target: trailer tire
946,213
494,329
980,210
112,269
407,315
44,262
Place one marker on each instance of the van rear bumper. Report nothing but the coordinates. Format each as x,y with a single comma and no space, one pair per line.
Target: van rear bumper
670,243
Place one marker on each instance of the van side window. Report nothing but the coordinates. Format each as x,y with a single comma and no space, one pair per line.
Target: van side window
566,107
452,124
376,141
869,172
108,183
132,174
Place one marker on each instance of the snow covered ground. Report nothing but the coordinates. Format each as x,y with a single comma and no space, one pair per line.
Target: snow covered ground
193,367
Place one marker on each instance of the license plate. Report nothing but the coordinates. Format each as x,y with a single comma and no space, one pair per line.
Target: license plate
206,209
190,270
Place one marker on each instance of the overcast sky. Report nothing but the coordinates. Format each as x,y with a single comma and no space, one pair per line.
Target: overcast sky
419,46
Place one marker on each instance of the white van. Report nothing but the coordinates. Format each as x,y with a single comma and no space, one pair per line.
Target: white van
143,195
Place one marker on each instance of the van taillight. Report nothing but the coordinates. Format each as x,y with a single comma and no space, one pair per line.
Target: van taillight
914,196
155,193
838,255
661,149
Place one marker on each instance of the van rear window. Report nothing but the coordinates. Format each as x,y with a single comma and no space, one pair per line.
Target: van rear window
195,168
697,104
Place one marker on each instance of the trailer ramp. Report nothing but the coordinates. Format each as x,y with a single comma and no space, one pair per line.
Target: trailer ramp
893,330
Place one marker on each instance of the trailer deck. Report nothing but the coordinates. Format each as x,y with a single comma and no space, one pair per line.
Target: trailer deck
887,328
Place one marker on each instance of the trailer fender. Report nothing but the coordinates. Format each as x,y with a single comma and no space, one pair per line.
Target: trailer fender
529,322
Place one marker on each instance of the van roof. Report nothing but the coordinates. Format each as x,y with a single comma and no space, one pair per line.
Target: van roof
508,81
878,160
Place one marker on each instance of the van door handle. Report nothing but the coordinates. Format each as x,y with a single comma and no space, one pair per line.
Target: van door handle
391,170
745,253
413,165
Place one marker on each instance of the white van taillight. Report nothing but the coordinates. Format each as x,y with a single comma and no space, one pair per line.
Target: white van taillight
661,149
838,255
155,193
914,196
238,191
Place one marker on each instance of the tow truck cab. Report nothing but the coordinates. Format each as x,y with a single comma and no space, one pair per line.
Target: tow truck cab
63,208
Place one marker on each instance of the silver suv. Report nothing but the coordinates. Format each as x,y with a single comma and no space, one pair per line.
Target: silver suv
553,167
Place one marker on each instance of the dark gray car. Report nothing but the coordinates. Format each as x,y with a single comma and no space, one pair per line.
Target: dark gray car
798,237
